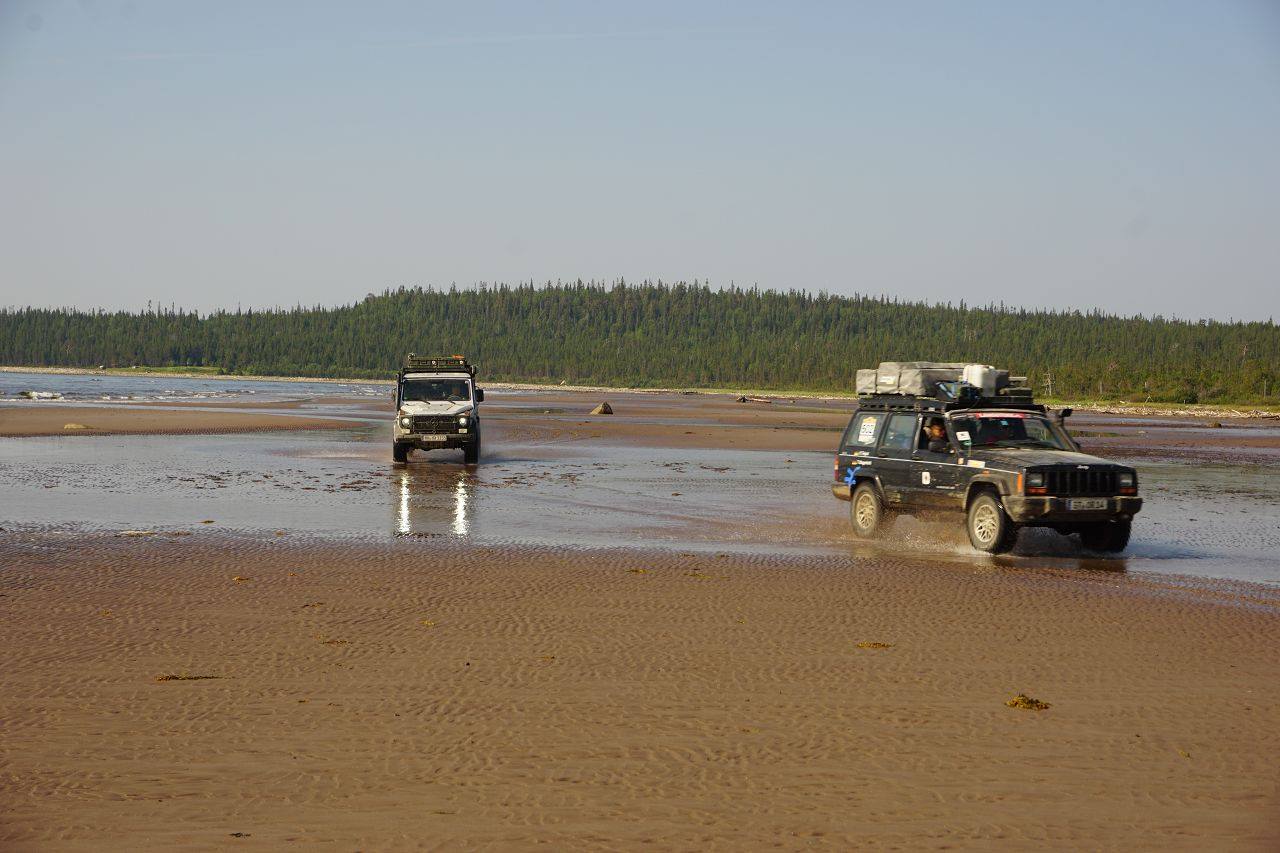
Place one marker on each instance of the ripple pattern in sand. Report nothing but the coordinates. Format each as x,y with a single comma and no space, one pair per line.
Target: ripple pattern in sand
385,696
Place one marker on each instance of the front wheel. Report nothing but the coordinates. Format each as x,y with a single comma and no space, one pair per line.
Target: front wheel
865,511
990,529
471,453
1108,537
399,452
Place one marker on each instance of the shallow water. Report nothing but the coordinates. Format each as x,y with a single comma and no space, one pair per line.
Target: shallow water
340,483
117,387
1203,520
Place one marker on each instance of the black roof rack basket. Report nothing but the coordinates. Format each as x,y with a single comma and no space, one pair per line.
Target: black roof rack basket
415,363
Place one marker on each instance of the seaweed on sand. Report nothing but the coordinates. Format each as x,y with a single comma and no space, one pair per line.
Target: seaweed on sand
1024,701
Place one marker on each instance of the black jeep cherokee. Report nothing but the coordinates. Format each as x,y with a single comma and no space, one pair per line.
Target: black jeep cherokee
1006,464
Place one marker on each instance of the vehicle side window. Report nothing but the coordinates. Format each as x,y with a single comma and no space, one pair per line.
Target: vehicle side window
900,434
862,430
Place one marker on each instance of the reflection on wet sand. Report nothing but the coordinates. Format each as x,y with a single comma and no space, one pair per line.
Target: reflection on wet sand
1087,564
433,502
940,538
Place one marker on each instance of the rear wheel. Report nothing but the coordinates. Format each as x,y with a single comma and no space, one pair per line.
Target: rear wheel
865,510
990,529
399,452
1109,537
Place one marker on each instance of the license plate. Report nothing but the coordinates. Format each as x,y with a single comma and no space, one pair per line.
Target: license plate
433,437
1087,503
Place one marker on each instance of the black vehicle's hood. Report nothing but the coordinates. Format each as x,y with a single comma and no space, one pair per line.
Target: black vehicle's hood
1027,456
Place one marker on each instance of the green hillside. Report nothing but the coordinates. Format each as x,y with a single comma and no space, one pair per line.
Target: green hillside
671,335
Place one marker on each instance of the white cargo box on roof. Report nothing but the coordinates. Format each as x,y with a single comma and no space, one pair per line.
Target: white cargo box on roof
982,376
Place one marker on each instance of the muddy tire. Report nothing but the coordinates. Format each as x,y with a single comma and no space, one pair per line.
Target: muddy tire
471,453
1107,537
990,528
399,452
865,511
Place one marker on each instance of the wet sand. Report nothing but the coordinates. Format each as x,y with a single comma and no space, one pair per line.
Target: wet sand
47,420
426,693
651,419
666,420
370,657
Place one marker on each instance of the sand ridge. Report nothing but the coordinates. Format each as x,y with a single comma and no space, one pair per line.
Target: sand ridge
52,419
650,419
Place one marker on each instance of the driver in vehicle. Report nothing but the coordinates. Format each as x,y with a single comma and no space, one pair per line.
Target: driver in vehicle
934,430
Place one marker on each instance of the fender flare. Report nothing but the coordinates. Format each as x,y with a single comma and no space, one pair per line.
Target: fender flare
872,478
863,474
982,483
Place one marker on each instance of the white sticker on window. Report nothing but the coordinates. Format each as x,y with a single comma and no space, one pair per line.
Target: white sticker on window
926,477
867,430
962,435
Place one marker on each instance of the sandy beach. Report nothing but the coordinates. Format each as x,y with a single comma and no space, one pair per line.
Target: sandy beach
644,630
431,695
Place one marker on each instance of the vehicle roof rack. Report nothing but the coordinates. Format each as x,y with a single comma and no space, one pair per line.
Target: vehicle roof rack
1020,404
909,403
415,363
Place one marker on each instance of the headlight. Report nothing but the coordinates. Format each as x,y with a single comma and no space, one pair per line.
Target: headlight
1035,480
405,422
462,421
1127,482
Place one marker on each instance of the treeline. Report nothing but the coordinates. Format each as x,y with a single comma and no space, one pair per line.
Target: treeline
684,335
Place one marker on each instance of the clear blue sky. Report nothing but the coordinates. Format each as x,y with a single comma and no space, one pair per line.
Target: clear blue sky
1083,154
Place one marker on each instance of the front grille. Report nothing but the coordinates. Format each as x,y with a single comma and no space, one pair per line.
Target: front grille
434,424
1074,481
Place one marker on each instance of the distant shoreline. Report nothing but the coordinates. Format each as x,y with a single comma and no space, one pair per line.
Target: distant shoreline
1121,407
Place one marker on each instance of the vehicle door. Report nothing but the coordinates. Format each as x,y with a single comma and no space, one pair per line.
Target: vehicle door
935,475
893,457
857,447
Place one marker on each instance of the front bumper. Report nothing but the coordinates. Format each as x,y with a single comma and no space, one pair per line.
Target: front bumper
438,440
1054,510
451,442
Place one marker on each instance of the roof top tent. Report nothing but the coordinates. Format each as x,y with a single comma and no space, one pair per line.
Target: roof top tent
946,381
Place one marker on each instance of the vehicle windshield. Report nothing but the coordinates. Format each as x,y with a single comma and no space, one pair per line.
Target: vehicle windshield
435,390
1012,429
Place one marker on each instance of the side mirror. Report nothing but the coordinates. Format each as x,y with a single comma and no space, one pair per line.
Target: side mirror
479,395
937,445
1065,413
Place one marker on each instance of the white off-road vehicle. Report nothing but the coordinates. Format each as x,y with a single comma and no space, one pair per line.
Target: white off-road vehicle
437,406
